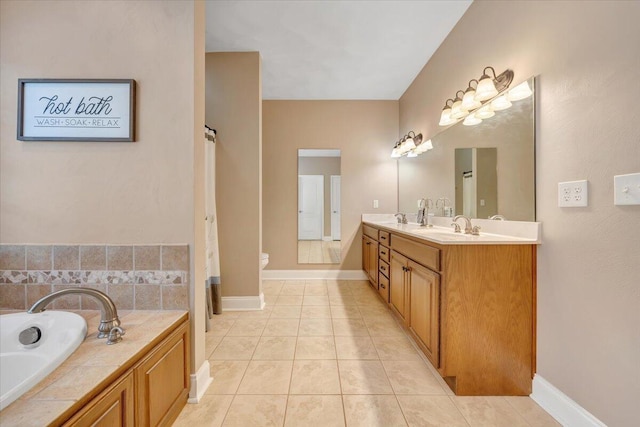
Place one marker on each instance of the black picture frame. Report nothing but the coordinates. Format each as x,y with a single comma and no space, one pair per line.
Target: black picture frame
89,122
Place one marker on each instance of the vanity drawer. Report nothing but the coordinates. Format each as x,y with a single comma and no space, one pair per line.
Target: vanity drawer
383,287
384,268
370,231
384,253
383,238
420,253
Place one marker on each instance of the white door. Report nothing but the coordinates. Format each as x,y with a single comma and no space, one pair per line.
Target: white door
310,207
335,207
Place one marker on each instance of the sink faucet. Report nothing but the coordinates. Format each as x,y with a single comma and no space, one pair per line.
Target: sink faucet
467,224
402,218
445,204
109,322
423,212
498,217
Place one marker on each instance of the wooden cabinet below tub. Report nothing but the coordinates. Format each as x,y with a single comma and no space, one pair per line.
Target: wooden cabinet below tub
152,392
469,308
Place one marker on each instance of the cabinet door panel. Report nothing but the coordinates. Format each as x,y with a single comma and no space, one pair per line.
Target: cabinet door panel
397,290
425,309
112,408
162,381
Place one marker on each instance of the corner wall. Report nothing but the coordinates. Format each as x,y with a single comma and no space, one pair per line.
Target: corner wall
233,108
586,58
364,131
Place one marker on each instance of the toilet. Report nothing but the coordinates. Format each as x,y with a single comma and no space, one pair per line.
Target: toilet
264,259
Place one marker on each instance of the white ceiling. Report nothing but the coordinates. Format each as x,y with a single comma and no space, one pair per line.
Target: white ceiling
333,49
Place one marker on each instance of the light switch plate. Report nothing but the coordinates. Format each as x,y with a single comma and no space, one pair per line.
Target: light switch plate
573,194
626,189
375,204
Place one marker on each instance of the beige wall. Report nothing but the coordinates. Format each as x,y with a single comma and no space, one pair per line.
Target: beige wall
586,57
90,192
325,166
364,132
233,108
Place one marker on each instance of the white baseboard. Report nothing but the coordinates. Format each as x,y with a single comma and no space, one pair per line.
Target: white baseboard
200,382
561,407
313,274
243,303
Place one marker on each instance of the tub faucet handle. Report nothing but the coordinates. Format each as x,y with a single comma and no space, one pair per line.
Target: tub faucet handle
115,335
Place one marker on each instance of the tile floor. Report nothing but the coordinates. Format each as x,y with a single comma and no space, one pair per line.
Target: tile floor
329,353
319,252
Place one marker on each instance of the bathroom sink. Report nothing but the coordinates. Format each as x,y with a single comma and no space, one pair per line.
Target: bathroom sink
54,336
444,235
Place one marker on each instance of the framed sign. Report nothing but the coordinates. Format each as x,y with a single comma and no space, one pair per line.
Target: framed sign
76,110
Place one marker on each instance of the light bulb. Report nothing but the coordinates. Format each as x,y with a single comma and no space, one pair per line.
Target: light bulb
500,103
519,92
427,145
408,144
395,153
457,112
468,101
485,112
486,89
445,118
471,120
412,153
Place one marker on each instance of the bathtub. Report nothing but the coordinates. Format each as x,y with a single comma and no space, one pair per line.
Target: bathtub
58,334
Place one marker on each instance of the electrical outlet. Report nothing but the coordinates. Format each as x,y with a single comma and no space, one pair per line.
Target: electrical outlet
375,204
573,194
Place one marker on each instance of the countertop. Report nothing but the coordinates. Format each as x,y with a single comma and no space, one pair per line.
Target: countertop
491,232
91,367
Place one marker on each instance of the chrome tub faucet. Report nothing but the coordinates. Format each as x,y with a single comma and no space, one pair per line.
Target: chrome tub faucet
109,321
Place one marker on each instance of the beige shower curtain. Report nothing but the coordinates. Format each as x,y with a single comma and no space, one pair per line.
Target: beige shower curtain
212,267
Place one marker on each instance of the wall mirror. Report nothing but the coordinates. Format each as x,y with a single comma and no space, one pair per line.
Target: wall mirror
479,171
319,206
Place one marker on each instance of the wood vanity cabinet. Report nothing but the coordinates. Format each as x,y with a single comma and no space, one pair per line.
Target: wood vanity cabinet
152,392
370,254
469,308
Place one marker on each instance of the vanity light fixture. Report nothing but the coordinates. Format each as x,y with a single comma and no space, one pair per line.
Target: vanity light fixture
480,99
410,145
424,147
457,112
445,117
468,100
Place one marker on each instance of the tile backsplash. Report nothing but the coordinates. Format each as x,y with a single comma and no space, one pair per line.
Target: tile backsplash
141,277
